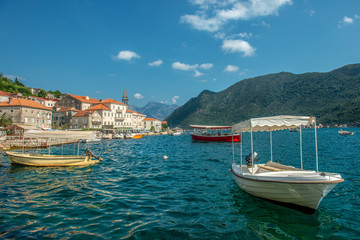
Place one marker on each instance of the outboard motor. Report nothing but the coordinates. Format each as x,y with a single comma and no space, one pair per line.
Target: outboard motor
90,154
248,159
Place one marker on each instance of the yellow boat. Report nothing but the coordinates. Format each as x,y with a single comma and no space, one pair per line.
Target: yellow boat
45,160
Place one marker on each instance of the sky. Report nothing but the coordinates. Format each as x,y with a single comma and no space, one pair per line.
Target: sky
169,51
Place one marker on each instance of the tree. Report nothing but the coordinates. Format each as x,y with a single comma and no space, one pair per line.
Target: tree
42,93
5,120
164,127
152,129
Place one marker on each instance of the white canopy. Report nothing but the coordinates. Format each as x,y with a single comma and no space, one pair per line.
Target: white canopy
75,135
273,123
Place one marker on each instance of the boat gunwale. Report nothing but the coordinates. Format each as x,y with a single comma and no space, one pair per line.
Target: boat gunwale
279,181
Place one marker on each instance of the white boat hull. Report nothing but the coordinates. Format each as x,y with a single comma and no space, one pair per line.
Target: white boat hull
304,189
43,160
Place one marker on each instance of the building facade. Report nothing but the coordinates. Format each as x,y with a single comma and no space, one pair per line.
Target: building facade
152,123
24,111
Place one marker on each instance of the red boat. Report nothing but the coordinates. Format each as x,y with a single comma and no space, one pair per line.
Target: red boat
213,134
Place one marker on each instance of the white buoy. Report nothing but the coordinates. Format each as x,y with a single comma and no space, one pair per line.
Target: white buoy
165,157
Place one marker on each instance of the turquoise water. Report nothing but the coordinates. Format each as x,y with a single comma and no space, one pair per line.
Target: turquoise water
134,193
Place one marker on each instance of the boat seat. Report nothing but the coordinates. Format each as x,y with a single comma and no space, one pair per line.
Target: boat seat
270,168
282,167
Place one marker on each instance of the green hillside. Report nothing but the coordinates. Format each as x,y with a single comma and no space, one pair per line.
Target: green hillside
333,97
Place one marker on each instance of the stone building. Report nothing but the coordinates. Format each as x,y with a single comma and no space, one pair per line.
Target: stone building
77,102
24,111
4,96
85,119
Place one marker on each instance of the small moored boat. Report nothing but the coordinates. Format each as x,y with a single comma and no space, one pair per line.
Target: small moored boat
213,134
344,133
45,160
293,187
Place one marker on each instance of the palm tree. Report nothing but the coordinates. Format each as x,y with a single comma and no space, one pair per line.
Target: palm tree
5,120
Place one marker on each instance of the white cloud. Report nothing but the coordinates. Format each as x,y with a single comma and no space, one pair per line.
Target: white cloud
112,75
138,96
231,68
183,66
174,99
238,46
197,73
156,63
126,55
13,77
201,23
223,11
206,65
348,20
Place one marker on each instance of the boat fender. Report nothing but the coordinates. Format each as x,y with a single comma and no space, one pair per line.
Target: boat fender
89,153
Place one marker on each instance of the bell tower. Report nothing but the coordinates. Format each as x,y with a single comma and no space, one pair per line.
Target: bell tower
125,98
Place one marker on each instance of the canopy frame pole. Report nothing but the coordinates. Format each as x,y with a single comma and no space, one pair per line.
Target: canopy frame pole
316,149
233,151
78,148
241,151
252,149
271,149
301,154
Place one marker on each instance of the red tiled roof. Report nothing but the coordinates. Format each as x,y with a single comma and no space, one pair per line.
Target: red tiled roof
109,100
24,103
150,119
164,122
64,109
99,107
129,111
85,99
6,94
81,113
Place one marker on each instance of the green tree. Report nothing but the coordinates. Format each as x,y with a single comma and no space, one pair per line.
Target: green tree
42,93
5,120
152,129
164,127
17,82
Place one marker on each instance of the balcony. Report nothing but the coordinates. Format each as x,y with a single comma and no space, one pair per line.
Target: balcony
119,111
119,119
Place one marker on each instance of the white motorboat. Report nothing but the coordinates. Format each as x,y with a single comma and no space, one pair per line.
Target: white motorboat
345,133
293,187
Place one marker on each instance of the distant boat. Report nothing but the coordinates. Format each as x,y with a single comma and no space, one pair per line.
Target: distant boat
213,134
46,160
133,135
176,132
293,187
90,140
118,136
344,133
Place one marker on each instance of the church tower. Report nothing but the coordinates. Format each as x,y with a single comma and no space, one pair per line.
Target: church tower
125,98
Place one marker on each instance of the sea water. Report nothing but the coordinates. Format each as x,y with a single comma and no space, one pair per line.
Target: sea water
136,193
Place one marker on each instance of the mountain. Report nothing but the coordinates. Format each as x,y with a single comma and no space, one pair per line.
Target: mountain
155,110
332,97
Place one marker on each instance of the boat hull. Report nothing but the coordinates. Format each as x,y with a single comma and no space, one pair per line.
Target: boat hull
42,160
215,138
304,195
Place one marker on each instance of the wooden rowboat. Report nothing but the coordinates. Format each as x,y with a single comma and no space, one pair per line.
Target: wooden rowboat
45,160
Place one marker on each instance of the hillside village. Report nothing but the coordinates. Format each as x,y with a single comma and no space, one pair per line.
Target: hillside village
74,112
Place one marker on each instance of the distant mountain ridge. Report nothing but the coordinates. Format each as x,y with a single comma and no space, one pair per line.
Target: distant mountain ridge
332,97
155,110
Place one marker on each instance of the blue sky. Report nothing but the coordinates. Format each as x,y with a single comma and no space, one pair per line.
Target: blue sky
171,50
